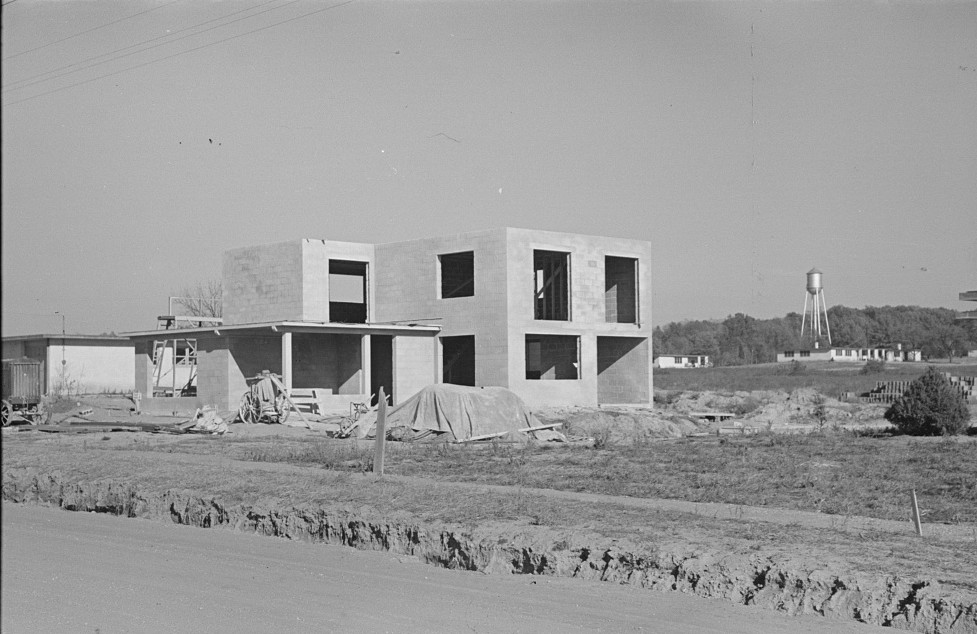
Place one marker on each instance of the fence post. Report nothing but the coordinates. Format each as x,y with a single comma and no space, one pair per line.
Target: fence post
919,526
381,434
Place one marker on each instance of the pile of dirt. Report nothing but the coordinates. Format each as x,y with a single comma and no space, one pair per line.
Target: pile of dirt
678,414
622,425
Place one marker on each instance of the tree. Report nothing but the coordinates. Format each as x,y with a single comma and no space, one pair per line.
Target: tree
946,339
930,407
203,299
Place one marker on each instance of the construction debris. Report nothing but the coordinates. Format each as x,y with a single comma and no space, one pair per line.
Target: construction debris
207,421
456,413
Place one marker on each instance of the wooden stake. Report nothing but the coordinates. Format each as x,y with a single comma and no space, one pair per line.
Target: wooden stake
288,399
919,526
381,434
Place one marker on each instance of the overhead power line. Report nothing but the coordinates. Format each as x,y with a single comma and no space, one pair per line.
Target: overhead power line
39,78
96,28
190,50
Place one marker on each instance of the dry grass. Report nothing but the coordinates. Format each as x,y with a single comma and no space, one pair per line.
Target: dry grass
834,472
826,377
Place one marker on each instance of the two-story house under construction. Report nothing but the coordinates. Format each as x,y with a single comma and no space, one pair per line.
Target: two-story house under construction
558,318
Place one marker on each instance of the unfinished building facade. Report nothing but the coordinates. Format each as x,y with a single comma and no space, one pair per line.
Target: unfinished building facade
560,319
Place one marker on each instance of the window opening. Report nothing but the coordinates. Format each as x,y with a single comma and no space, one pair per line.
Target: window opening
620,290
458,360
457,274
552,285
347,291
552,357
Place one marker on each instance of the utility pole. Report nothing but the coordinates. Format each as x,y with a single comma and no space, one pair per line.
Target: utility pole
64,373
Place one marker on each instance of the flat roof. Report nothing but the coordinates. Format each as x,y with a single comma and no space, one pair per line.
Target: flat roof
66,337
294,326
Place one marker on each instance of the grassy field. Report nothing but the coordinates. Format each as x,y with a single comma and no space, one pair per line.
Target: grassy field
832,472
835,473
831,379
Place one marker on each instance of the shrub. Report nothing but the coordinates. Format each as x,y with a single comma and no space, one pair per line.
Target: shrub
794,368
747,405
930,407
666,397
820,410
873,366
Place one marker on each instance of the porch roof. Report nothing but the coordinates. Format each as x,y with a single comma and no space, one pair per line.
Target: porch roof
278,327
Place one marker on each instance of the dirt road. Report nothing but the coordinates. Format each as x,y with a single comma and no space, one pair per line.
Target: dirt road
79,572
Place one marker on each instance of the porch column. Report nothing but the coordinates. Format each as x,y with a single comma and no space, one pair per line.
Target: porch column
366,375
287,360
144,368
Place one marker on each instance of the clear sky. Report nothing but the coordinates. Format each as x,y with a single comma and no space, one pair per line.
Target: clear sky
748,142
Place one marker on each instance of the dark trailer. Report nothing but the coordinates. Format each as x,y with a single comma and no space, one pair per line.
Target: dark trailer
21,393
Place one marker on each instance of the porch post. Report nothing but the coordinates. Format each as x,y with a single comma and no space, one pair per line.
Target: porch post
287,360
366,375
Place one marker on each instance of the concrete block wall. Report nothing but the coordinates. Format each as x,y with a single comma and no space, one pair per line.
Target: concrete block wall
315,274
263,283
414,366
408,288
559,357
213,363
143,355
622,370
247,357
327,361
588,310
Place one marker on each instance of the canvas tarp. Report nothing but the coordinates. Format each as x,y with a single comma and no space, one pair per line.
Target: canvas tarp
463,412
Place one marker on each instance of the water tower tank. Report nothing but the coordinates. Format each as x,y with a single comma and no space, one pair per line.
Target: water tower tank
813,281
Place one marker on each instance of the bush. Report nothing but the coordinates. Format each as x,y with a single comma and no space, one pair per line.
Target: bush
666,397
873,366
746,406
794,368
930,407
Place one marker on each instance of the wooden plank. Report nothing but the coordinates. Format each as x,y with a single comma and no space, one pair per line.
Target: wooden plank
381,443
503,433
288,399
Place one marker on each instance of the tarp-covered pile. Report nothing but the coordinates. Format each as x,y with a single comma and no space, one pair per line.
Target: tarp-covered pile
463,412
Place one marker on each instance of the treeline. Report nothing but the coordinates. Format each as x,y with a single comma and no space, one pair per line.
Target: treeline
740,339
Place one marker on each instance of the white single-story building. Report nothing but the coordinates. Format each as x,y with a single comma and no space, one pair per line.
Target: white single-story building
897,354
682,361
85,364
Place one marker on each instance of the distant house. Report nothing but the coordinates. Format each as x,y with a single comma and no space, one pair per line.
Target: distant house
896,354
682,361
91,363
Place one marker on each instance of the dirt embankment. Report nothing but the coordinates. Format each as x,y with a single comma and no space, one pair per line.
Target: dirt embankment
918,605
680,413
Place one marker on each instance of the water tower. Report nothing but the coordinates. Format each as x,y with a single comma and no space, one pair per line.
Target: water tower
815,292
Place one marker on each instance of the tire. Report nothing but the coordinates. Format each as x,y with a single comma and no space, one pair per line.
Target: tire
250,411
6,411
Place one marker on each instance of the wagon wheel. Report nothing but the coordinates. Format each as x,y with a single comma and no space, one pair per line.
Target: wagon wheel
5,412
250,410
282,407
